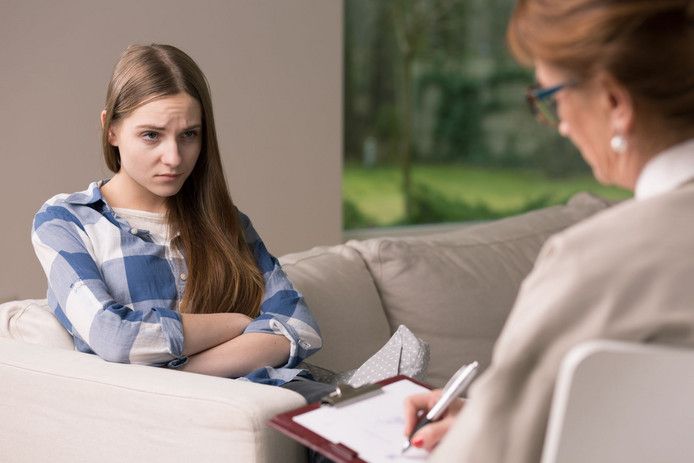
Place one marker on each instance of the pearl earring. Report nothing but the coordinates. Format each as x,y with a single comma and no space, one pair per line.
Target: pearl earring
618,144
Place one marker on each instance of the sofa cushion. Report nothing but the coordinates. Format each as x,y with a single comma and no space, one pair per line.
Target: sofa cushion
136,413
32,321
455,289
341,294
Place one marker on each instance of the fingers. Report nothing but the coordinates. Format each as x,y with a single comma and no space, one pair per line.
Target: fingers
417,404
430,435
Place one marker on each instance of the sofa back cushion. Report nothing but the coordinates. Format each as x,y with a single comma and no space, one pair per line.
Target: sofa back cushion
455,289
341,294
32,321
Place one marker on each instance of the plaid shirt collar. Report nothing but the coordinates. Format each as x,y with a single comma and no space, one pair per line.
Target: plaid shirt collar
91,195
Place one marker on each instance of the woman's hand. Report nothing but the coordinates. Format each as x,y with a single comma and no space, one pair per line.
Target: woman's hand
430,435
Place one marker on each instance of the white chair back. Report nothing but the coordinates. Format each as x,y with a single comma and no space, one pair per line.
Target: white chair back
623,402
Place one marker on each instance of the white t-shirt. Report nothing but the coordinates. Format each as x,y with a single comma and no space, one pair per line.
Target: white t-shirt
153,222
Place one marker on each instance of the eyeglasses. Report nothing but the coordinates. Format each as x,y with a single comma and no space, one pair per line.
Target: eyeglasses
543,104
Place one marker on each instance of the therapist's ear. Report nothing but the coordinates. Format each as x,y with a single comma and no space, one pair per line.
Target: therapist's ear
620,104
111,135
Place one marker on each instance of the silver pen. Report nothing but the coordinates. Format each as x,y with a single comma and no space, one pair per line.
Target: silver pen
453,388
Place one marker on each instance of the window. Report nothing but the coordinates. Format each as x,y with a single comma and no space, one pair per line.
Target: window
436,124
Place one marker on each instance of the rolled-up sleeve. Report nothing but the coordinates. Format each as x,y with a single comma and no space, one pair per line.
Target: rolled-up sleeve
282,310
82,301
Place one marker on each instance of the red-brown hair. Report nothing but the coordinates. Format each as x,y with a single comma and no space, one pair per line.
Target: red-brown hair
647,45
223,274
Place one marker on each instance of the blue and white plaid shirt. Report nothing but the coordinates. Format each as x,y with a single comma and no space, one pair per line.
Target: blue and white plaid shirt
117,291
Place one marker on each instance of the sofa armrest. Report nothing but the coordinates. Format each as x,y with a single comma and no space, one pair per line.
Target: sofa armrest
61,405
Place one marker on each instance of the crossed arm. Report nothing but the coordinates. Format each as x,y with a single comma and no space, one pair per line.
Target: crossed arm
217,345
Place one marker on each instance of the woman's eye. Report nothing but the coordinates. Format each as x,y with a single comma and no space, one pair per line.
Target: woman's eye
150,136
189,134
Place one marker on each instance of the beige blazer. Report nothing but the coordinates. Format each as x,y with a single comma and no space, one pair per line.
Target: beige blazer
624,274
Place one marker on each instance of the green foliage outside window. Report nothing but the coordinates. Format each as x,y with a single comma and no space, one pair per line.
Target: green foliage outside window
430,87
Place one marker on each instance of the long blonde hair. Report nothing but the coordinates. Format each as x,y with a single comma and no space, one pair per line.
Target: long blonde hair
223,274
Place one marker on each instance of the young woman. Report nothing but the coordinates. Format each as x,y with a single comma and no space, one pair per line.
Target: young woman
156,265
617,79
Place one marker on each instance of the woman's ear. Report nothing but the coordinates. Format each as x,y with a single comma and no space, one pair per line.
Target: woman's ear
111,135
620,104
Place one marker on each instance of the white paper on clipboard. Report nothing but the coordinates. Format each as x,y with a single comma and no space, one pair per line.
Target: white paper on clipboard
373,427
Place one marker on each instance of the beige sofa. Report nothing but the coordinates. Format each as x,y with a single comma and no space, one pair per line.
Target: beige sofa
453,289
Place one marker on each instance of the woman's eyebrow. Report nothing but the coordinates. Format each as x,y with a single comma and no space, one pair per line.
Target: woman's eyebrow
161,129
150,127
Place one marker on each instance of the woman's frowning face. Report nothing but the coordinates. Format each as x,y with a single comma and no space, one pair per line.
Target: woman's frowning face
159,144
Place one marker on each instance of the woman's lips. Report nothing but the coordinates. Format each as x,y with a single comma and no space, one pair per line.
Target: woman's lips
168,176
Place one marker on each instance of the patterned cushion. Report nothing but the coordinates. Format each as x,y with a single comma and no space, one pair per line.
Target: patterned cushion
403,354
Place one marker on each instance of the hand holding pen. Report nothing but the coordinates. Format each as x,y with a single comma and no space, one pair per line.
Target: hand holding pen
442,406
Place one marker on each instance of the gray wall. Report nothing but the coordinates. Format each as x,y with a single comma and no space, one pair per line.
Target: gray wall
275,69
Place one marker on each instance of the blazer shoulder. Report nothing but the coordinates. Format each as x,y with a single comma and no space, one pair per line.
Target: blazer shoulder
634,226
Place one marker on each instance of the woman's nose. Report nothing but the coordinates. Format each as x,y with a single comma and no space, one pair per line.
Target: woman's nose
171,156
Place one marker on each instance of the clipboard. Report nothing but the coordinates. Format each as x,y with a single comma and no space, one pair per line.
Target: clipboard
309,424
